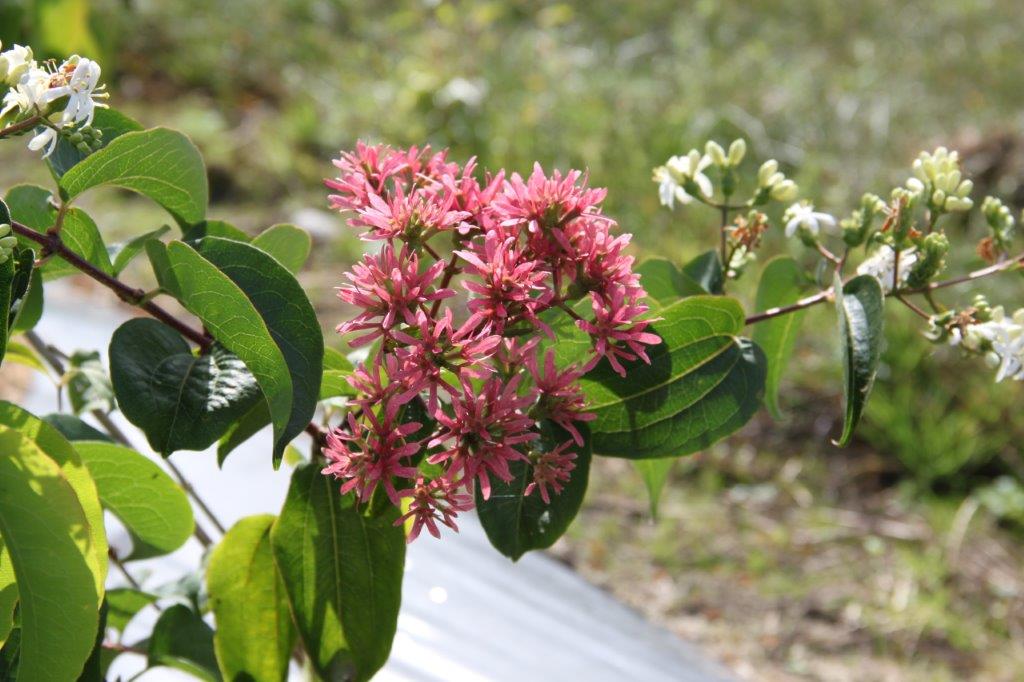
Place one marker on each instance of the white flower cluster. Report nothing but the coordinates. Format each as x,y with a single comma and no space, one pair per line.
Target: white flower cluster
938,177
881,265
40,90
1001,338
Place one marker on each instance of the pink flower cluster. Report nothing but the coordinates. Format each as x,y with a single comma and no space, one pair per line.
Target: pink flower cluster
459,328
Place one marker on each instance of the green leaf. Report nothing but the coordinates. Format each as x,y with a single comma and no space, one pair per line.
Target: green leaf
242,430
181,639
781,284
73,428
859,305
335,359
181,401
215,228
702,384
48,536
28,310
245,297
8,593
335,384
123,254
123,604
57,448
343,574
62,27
151,505
6,291
94,669
516,523
88,383
23,261
23,355
32,206
254,634
706,270
161,164
665,283
654,473
289,244
111,122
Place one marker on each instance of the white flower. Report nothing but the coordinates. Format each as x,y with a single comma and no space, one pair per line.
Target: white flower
47,138
882,263
14,63
803,216
669,191
691,167
81,88
1003,336
29,94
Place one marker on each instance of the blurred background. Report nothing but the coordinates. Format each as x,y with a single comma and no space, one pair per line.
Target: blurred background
898,558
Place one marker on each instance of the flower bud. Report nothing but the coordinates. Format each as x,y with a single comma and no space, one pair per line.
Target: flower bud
7,242
737,150
955,204
930,261
715,153
766,171
784,191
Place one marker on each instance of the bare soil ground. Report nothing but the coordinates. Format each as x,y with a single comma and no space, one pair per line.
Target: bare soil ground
811,566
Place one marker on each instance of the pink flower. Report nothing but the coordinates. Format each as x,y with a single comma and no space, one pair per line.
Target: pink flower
436,500
367,455
481,433
512,286
616,332
561,399
364,172
598,262
553,469
408,216
436,347
390,289
541,202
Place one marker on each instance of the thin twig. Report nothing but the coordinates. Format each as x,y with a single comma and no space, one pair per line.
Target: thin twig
16,128
124,571
136,297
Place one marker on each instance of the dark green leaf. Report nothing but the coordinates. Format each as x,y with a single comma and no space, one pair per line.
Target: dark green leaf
151,505
6,292
781,284
23,262
56,447
28,310
48,537
123,254
181,401
74,428
702,384
516,523
161,164
88,383
666,283
111,122
343,574
182,640
859,305
289,244
94,668
31,206
243,295
10,656
654,473
242,430
123,604
254,634
706,270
